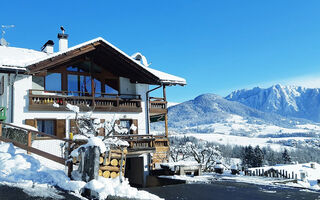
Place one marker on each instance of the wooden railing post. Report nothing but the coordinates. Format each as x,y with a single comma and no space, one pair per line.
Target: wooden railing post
117,104
0,129
29,141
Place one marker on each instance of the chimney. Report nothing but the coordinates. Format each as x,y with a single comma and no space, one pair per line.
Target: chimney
63,41
48,47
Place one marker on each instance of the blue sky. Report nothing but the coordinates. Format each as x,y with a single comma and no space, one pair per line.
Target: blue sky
218,46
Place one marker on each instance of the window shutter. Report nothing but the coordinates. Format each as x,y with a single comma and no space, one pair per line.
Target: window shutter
61,128
135,122
102,131
31,122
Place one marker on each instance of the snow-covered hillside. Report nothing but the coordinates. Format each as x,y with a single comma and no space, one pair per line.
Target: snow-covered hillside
288,101
210,113
215,115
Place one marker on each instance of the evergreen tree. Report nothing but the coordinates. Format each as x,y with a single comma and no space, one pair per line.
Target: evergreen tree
286,157
248,156
258,157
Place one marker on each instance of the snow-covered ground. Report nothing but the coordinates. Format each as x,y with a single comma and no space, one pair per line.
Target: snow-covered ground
237,125
38,177
242,140
236,130
309,182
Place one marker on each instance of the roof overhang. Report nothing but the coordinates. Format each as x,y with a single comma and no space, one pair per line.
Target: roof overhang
103,52
12,69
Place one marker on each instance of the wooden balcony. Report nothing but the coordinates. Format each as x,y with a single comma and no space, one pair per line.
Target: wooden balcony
40,100
157,105
143,143
158,108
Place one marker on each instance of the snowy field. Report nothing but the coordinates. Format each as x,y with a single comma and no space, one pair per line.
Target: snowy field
40,178
308,182
237,125
242,140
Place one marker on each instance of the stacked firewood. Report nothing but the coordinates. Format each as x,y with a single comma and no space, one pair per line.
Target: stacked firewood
112,162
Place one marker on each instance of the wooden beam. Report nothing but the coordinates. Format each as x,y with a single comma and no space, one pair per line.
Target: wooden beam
166,114
60,59
29,141
132,69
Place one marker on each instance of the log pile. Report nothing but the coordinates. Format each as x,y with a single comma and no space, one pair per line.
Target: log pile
111,163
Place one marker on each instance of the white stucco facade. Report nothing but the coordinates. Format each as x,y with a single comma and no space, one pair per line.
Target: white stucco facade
18,105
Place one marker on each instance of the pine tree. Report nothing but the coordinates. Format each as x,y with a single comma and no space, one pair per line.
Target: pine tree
258,157
286,157
248,156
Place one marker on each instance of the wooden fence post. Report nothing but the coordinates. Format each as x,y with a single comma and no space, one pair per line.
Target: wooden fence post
29,141
292,175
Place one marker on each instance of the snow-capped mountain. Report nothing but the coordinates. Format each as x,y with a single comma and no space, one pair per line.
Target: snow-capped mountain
210,113
288,101
230,122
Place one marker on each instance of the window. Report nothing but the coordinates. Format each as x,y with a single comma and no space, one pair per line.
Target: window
38,82
46,126
53,82
74,69
130,124
112,86
97,87
79,83
125,123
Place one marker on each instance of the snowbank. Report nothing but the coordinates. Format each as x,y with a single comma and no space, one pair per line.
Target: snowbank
21,170
93,141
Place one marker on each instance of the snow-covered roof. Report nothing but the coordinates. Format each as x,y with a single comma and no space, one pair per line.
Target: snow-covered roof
167,78
162,76
13,57
20,58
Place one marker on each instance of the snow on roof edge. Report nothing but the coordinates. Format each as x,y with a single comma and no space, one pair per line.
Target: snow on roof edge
161,75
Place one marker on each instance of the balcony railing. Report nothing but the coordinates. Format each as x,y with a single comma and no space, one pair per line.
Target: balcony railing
157,105
143,142
40,100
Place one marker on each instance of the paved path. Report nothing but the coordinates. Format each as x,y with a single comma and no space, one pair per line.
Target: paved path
13,193
226,190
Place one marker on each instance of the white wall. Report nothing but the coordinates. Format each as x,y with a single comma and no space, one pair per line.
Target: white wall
126,87
21,102
4,96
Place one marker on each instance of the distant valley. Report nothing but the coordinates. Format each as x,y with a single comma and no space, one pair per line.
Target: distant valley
281,113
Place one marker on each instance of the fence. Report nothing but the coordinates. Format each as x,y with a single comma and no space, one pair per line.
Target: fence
28,135
271,172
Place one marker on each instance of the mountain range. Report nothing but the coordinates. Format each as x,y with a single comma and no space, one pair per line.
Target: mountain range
255,112
288,101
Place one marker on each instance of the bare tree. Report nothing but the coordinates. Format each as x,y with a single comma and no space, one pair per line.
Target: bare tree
178,153
204,153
